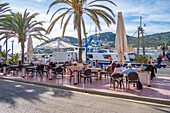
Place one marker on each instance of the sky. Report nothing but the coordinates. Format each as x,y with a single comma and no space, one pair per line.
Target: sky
155,14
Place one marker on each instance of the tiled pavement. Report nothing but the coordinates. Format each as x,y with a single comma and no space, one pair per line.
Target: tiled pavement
160,86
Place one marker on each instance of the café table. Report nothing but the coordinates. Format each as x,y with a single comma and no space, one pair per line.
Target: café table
145,78
73,68
13,68
98,70
78,73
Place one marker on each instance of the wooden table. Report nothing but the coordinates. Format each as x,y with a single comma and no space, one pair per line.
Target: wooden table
73,68
96,70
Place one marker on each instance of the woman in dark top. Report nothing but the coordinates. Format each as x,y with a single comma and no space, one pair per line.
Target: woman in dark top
151,68
154,70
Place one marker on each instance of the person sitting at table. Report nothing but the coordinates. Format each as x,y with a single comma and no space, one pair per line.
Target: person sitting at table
51,61
37,62
117,69
127,71
113,65
110,59
96,64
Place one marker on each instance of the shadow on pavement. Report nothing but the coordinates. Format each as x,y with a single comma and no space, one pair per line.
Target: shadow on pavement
9,91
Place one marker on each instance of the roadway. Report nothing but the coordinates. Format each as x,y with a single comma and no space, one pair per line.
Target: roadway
25,98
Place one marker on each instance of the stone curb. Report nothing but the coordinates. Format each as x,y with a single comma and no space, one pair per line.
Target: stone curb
139,98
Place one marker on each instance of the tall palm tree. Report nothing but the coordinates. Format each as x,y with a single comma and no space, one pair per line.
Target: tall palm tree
21,26
77,8
4,7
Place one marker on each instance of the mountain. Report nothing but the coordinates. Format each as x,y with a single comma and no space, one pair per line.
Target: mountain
109,39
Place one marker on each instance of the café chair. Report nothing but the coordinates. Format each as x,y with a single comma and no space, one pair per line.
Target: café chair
59,70
107,72
71,74
132,78
116,78
86,75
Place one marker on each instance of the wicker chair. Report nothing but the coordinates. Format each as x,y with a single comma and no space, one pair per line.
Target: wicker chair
132,78
86,75
107,72
116,78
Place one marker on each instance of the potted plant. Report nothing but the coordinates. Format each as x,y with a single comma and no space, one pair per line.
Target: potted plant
4,54
141,59
14,59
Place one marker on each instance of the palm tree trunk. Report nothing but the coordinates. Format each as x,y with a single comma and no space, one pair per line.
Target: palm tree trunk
79,39
22,49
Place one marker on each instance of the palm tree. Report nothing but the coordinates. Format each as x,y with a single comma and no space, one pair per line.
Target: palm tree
77,8
3,9
21,26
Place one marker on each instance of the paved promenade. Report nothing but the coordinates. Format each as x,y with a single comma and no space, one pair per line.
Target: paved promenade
160,85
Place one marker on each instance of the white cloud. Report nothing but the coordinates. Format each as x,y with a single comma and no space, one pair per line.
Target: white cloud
39,0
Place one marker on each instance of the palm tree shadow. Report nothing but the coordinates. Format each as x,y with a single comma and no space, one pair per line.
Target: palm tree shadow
11,91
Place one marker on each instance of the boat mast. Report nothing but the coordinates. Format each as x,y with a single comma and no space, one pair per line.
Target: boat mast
140,29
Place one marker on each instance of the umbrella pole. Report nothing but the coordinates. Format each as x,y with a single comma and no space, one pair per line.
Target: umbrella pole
57,55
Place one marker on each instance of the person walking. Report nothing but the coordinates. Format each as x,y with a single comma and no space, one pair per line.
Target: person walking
154,70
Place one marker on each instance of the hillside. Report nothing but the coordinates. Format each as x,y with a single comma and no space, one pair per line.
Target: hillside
109,38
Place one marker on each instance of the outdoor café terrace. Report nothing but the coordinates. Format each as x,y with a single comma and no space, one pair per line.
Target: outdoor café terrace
69,76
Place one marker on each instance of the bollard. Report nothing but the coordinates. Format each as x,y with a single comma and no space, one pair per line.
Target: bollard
23,72
149,79
4,69
50,74
75,78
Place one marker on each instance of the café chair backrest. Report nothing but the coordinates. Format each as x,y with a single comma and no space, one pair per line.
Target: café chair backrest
70,71
87,72
79,64
117,75
59,69
133,76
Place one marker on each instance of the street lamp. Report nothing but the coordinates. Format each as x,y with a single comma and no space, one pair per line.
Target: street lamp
86,46
12,46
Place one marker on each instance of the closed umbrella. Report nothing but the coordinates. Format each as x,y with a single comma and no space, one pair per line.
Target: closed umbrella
121,40
29,48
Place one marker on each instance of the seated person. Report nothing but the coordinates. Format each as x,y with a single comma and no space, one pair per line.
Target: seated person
96,64
37,62
117,69
127,71
113,65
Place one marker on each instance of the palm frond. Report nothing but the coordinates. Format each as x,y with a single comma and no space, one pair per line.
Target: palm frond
84,27
102,1
104,7
57,2
65,25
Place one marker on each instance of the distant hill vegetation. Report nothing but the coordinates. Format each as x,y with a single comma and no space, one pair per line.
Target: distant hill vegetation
108,37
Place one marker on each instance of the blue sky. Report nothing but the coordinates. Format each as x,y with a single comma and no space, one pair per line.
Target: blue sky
155,14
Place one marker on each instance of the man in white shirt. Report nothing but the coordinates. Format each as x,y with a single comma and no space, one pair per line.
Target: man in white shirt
69,58
51,61
42,62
